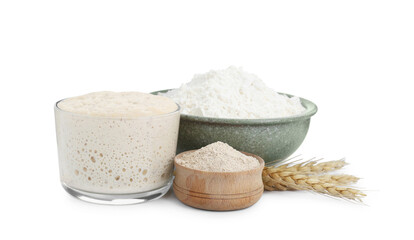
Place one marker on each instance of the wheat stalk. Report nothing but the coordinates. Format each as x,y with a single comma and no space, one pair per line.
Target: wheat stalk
310,167
307,176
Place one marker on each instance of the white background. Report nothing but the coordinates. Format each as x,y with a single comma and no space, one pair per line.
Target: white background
354,59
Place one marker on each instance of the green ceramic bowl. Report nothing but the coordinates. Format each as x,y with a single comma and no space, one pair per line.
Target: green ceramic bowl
272,138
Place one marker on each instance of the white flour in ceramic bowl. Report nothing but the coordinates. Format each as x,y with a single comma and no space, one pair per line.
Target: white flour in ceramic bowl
233,93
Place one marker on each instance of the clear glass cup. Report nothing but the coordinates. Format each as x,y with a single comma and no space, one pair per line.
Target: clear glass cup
114,160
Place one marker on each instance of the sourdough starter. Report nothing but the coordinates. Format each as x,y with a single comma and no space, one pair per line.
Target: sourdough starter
116,143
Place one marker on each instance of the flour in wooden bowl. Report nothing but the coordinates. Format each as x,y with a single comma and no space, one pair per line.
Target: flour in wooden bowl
218,157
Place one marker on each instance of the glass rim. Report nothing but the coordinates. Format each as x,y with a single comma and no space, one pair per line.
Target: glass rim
57,108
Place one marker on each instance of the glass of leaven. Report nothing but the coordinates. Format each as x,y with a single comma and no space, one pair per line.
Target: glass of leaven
115,160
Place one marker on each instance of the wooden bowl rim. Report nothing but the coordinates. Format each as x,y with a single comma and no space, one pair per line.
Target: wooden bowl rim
261,165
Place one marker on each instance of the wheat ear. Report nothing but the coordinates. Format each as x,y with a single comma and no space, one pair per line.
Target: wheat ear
328,184
306,176
301,179
310,167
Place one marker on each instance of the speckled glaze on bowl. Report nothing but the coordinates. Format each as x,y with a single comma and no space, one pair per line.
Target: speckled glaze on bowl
270,138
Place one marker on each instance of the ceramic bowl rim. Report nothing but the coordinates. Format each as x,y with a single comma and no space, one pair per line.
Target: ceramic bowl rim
311,110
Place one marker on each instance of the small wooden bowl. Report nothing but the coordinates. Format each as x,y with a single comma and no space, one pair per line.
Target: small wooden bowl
219,191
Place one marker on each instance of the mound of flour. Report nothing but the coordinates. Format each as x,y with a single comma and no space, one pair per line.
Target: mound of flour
218,157
233,93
